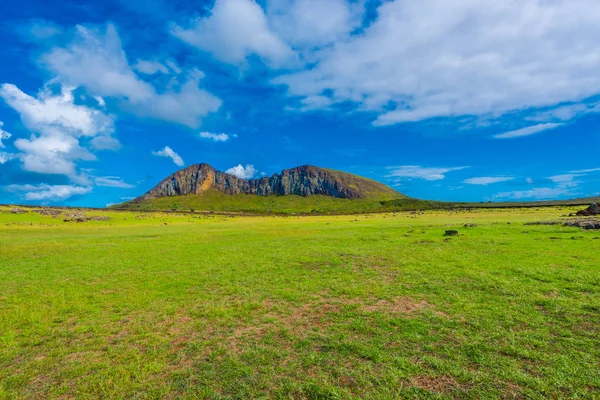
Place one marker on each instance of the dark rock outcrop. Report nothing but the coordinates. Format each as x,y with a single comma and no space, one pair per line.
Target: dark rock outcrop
594,209
302,181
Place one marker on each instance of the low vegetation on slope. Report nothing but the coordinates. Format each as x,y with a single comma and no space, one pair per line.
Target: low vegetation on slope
216,201
111,304
213,200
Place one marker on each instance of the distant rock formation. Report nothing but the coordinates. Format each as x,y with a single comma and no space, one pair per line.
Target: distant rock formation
594,209
302,181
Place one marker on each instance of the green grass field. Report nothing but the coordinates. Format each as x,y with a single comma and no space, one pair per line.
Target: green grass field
155,306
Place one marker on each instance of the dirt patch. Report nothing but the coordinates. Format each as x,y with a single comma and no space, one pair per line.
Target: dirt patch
438,384
400,305
82,357
511,391
307,317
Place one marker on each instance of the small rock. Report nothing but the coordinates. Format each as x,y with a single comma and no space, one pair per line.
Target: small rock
451,233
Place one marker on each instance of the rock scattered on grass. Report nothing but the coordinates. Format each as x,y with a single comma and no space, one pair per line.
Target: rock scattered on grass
451,233
584,223
576,223
52,212
84,218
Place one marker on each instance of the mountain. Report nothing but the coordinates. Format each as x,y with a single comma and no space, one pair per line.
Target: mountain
300,189
302,181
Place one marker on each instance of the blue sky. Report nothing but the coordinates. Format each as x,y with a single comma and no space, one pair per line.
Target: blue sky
463,100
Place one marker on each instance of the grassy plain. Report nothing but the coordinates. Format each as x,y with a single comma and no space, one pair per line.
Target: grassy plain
150,305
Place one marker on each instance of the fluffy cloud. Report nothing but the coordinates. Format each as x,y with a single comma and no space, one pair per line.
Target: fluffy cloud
112,181
247,172
6,157
235,30
3,135
96,61
169,153
417,172
50,112
314,23
45,192
216,137
434,58
58,125
488,180
531,130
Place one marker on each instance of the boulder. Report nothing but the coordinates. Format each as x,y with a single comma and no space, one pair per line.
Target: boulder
594,209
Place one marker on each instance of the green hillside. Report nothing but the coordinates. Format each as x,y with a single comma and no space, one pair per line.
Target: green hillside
214,200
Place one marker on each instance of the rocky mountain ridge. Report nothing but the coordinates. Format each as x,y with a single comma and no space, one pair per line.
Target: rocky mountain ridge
302,181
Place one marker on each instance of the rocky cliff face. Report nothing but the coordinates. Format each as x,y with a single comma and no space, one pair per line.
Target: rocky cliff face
303,181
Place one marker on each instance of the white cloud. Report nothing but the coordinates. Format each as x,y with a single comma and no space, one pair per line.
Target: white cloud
530,130
49,192
235,30
56,112
58,125
216,137
544,193
150,67
173,67
488,180
418,172
311,103
40,30
3,135
310,23
565,185
587,171
247,172
112,181
6,157
169,153
564,178
96,61
105,143
435,58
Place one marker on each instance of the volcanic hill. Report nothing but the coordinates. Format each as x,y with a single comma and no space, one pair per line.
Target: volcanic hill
202,187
